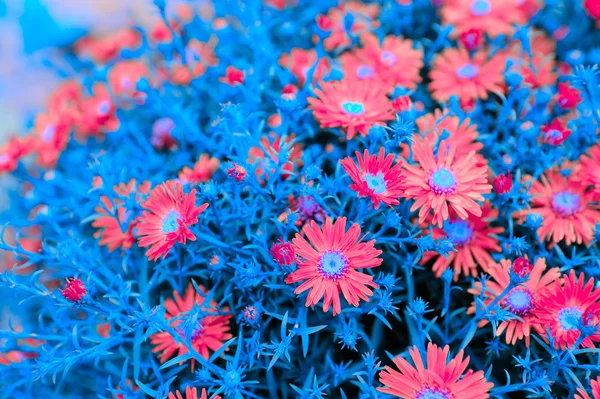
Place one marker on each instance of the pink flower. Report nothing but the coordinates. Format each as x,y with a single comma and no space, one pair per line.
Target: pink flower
233,76
555,133
568,97
521,267
503,184
74,290
375,177
328,263
283,253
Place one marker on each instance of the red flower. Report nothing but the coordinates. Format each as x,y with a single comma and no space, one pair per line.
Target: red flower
170,213
233,76
402,103
283,253
98,113
568,97
471,39
555,133
328,263
503,183
521,267
210,331
74,290
237,172
437,378
375,177
191,393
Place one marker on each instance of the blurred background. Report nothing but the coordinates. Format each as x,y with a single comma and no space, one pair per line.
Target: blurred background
30,32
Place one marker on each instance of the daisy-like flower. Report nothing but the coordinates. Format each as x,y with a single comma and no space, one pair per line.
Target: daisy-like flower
474,239
565,308
469,77
494,17
98,114
568,97
590,164
445,182
123,78
566,207
328,263
522,300
12,151
115,224
50,138
555,133
191,393
375,177
300,61
170,213
364,18
394,62
203,170
233,76
595,391
438,378
209,334
353,105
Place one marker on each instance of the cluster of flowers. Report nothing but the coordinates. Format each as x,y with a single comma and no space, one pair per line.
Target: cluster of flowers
289,198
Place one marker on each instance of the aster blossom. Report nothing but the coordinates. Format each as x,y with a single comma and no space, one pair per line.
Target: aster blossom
494,17
328,263
522,300
375,177
445,182
569,305
209,331
439,378
353,105
170,213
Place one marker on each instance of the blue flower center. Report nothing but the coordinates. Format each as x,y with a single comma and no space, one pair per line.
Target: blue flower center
569,318
353,108
433,393
365,72
459,231
519,301
566,203
388,58
104,107
481,8
442,181
333,264
48,133
170,224
467,71
376,182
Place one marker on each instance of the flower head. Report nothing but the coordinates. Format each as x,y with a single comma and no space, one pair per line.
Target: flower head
233,76
523,300
209,331
353,105
170,213
162,137
124,77
191,393
568,97
561,310
503,183
74,290
474,240
115,223
283,253
471,39
521,267
438,378
375,177
202,172
237,172
493,17
98,113
455,73
445,182
328,263
555,133
566,207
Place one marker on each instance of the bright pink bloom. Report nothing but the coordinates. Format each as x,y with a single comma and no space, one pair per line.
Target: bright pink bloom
445,182
50,138
210,333
568,97
592,7
114,223
202,172
353,105
237,172
98,113
555,133
522,300
503,183
233,76
328,263
594,383
521,267
170,213
375,177
300,61
562,310
474,240
74,290
471,39
568,210
283,253
439,378
401,104
191,393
